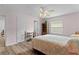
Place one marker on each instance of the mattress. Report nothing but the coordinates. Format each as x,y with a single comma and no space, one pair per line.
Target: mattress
61,40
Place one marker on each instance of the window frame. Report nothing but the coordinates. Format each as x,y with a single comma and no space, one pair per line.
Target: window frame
49,27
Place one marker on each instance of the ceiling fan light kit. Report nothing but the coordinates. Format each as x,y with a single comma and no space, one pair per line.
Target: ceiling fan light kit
44,13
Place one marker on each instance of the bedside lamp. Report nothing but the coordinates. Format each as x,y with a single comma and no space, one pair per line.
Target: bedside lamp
77,33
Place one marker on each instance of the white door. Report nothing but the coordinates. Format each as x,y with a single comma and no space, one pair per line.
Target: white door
36,29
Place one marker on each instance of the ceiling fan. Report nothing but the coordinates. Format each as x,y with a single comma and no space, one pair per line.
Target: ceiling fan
44,12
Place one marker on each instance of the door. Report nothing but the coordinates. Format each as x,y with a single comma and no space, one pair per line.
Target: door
36,29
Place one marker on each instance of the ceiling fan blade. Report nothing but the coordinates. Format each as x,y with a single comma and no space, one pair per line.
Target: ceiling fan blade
50,10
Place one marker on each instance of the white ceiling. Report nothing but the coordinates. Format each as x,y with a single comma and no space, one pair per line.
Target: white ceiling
62,9
34,9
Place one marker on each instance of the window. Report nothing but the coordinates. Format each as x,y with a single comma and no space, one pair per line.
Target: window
56,26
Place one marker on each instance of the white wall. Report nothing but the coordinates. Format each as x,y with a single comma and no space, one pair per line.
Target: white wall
10,29
24,23
70,22
18,19
16,24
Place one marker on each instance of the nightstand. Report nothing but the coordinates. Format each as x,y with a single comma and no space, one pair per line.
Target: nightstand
75,36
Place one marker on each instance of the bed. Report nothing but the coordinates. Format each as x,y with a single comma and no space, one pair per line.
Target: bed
55,45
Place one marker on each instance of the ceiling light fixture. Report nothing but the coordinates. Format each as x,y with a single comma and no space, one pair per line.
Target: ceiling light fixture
44,12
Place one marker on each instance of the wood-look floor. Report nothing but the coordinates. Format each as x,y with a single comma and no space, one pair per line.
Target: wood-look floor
22,48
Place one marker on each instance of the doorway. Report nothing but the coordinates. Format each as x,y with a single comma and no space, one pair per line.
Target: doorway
2,31
36,28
